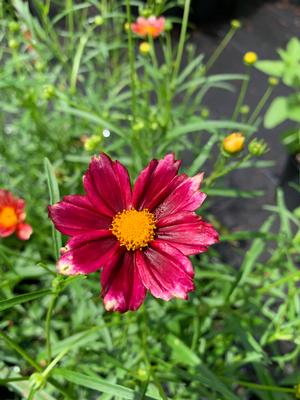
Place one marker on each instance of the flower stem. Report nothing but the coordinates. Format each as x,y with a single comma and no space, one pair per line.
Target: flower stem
260,105
131,60
241,97
186,12
48,325
219,50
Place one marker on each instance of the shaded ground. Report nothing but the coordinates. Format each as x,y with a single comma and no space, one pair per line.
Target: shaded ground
264,31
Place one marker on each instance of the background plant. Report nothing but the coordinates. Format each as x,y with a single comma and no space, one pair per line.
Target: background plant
74,83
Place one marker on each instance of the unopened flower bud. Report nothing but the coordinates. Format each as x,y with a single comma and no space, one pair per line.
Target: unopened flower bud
233,143
235,24
273,81
205,112
13,44
92,143
99,20
257,147
48,92
145,48
250,58
14,26
245,109
168,25
126,26
37,381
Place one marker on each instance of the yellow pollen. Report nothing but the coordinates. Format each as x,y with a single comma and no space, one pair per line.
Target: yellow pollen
8,217
134,229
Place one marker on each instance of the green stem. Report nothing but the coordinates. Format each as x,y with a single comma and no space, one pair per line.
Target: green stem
31,394
186,12
257,386
219,50
48,326
69,7
241,97
260,105
131,60
219,172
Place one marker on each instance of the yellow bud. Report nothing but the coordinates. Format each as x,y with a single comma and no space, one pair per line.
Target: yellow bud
144,48
126,26
98,20
273,81
13,44
235,24
250,58
233,143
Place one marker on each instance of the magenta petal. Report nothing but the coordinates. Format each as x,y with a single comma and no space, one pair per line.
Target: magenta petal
165,271
151,186
87,253
187,232
122,287
75,215
184,195
107,185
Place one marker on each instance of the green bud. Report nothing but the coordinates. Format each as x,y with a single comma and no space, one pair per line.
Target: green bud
93,142
245,109
99,20
48,92
13,26
37,381
142,374
138,126
154,126
168,25
205,112
13,44
235,24
273,81
39,66
146,12
258,147
58,284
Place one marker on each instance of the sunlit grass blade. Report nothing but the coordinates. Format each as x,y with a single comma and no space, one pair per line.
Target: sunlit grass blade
22,298
99,384
54,198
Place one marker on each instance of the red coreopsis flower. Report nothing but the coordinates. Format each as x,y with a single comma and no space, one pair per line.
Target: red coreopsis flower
140,238
12,216
151,26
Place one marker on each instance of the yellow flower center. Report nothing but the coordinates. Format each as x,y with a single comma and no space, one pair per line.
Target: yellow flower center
134,229
8,217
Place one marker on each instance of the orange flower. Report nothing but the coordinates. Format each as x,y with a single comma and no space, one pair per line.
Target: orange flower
151,26
12,216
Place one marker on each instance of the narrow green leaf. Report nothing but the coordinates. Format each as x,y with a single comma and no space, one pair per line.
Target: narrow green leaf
99,384
208,126
225,192
76,62
90,116
54,198
22,298
252,255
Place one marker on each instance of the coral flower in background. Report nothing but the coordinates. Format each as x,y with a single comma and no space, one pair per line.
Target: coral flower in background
151,26
12,216
140,238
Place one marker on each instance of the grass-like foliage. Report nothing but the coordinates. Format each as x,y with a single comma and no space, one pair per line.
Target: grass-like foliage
75,80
